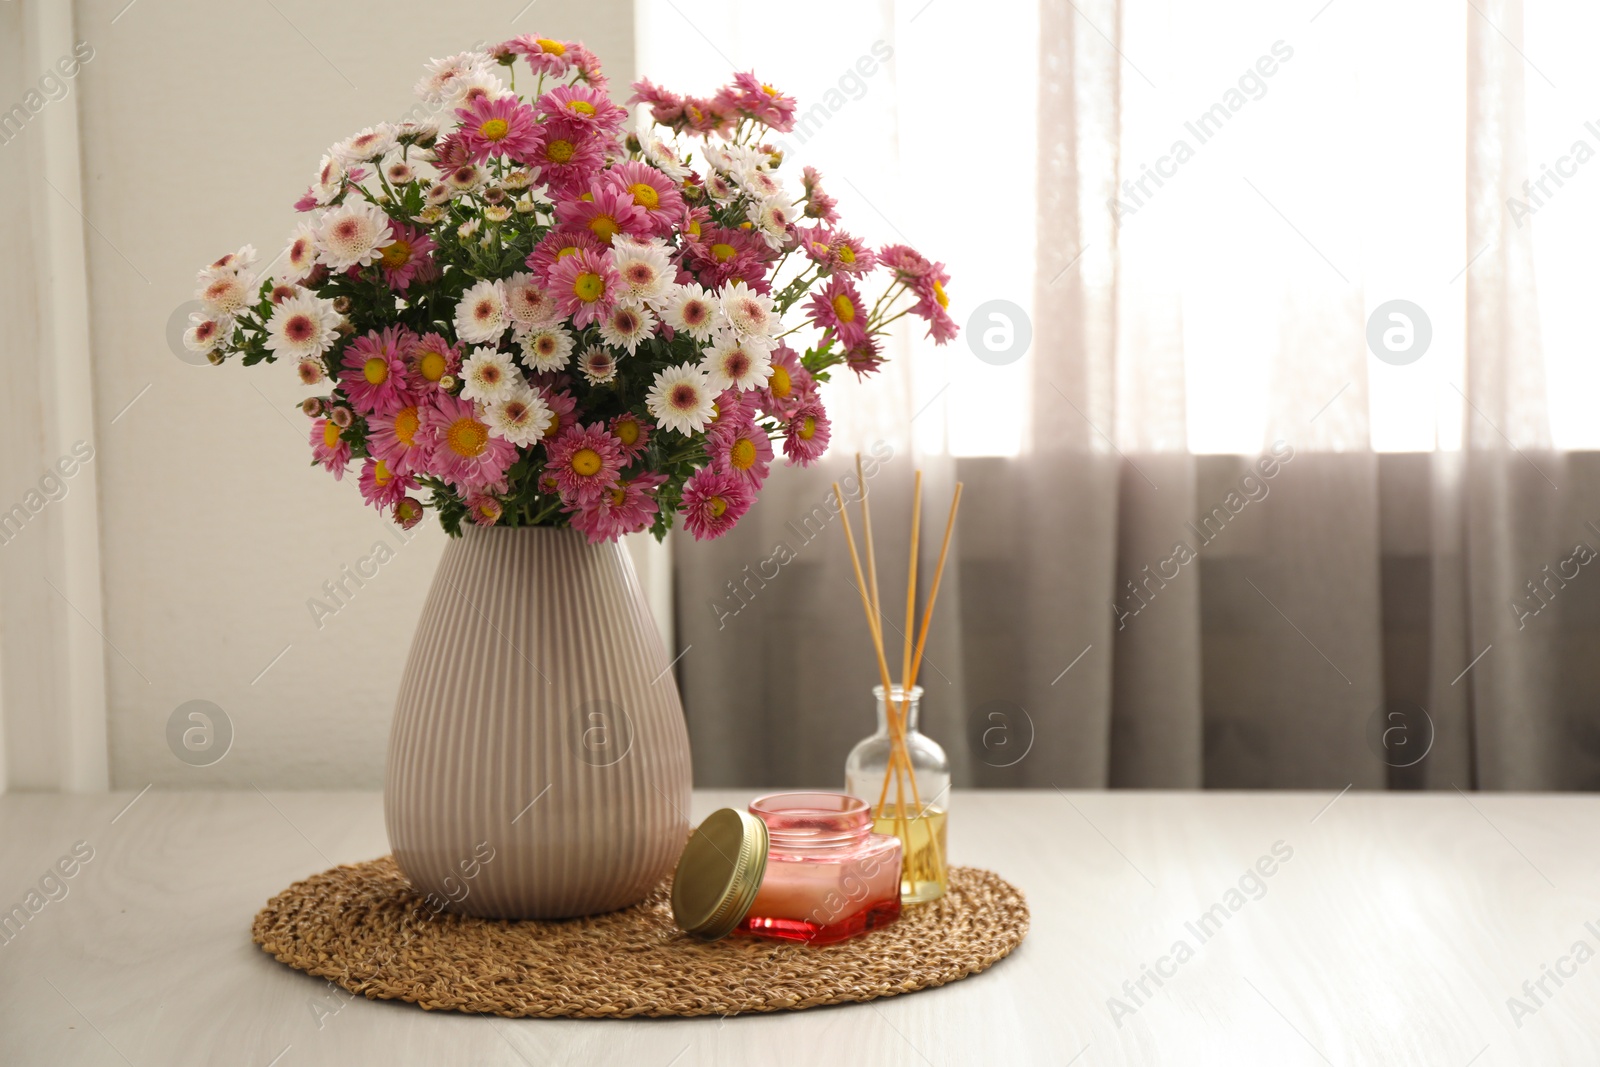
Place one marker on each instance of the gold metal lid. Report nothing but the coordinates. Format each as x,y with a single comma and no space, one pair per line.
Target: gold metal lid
719,873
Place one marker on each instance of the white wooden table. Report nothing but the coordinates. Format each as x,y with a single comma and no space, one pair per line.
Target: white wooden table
1395,933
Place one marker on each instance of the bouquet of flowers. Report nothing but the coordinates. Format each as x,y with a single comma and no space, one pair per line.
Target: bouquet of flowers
529,316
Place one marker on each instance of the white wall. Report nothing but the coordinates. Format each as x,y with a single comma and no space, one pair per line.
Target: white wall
200,124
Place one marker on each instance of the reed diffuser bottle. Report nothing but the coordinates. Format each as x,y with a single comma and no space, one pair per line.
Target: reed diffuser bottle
912,807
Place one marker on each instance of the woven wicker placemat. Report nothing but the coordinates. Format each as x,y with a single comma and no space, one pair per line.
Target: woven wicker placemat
364,927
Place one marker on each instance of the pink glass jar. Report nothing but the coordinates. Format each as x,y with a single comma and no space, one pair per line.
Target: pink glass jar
828,876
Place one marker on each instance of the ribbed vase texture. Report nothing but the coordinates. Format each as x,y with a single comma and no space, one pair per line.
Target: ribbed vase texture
539,762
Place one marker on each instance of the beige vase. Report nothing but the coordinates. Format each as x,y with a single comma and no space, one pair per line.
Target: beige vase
539,762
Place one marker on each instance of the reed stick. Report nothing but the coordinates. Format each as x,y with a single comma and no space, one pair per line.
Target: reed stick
922,641
883,664
911,579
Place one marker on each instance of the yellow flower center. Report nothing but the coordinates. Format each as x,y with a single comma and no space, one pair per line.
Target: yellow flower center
380,473
330,434
939,295
718,506
567,251
375,370
604,227
552,426
694,227
549,47
627,432
494,129
588,287
582,107
396,255
645,195
769,90
432,365
405,426
743,454
407,510
586,461
467,437
808,427
780,384
843,308
723,252
559,151
618,495
847,254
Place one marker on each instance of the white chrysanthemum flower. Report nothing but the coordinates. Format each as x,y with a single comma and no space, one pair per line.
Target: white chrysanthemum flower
681,399
464,179
528,302
475,85
303,325
763,185
301,255
226,293
691,310
351,234
207,333
441,75
488,375
547,348
363,147
481,316
232,263
438,194
660,153
520,417
628,325
747,311
734,362
598,364
397,170
644,268
329,182
773,217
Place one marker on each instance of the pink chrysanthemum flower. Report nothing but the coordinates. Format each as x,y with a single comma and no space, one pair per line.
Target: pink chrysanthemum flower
752,97
738,445
651,191
503,127
396,440
563,409
819,205
569,157
721,255
585,286
583,105
432,359
608,213
382,487
632,434
546,56
788,386
376,361
706,117
557,245
805,438
666,106
933,302
460,449
587,64
838,250
585,461
907,263
627,507
865,358
713,501
406,258
838,307
408,512
484,508
328,448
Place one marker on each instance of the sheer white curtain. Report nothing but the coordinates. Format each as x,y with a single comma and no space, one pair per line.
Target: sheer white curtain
1210,537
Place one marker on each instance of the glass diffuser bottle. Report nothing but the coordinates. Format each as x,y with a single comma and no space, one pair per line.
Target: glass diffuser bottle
912,806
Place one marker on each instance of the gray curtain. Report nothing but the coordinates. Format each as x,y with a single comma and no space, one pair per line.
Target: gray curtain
1120,613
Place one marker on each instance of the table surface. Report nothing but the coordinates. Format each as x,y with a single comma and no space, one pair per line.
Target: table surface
1392,928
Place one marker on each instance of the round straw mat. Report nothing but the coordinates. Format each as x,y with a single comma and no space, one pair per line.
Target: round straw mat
364,927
